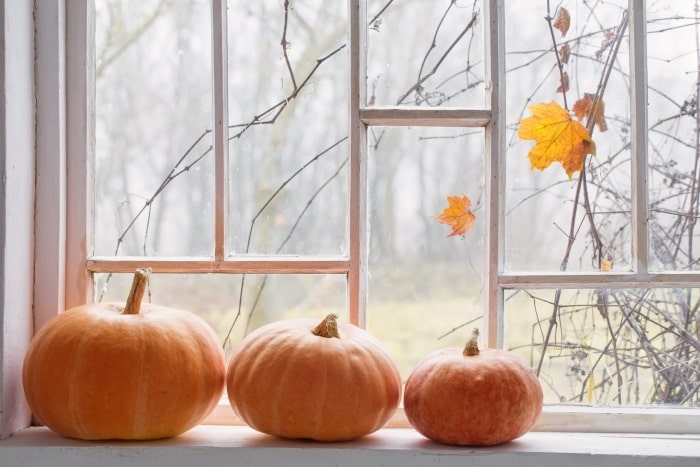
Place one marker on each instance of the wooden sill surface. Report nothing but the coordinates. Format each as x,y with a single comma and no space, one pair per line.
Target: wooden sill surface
222,445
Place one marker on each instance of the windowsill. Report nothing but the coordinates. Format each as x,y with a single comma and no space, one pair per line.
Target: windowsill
220,445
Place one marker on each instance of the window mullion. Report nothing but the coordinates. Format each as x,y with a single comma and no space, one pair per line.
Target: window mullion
638,78
220,125
80,148
50,196
494,177
357,274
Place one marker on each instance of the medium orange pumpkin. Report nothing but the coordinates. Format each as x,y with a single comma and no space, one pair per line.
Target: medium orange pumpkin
472,397
124,371
300,379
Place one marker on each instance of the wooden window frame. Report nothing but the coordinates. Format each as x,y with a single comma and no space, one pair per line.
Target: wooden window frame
65,110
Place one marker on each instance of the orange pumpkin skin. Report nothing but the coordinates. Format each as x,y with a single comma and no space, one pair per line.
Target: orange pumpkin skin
478,400
94,373
284,380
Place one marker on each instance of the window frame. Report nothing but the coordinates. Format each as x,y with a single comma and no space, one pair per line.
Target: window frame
65,76
361,118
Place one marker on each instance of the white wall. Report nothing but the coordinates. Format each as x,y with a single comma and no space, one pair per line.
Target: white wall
16,205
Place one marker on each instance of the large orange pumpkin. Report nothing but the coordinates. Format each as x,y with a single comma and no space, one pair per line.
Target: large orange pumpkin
300,379
472,397
124,371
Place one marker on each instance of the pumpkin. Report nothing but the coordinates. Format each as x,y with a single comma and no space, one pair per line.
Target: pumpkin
325,381
471,397
124,370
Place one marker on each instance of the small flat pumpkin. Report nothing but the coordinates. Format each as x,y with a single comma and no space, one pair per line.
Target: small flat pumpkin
472,397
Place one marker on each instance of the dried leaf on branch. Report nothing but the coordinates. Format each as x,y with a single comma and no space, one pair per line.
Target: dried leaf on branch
589,105
564,86
562,21
564,54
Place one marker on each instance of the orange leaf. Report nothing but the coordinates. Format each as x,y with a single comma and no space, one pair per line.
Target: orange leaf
558,138
457,215
562,21
583,106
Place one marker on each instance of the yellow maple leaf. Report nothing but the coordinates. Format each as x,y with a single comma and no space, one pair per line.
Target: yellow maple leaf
457,215
558,138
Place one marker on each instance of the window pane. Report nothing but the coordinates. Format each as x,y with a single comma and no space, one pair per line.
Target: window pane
288,107
554,222
610,347
153,102
215,297
425,53
423,284
672,51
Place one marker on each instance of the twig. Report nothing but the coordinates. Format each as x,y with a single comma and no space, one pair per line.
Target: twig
435,68
227,339
279,107
460,326
286,44
560,65
433,43
308,204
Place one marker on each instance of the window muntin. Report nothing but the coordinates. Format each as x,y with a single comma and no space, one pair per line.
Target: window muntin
507,282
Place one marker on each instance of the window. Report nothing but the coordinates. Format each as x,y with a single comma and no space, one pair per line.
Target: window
302,175
314,189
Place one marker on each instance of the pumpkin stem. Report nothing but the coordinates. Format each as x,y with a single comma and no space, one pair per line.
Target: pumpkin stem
328,327
472,348
138,288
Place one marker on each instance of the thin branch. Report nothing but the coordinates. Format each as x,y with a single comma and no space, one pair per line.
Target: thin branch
560,66
435,68
279,107
227,339
283,185
286,44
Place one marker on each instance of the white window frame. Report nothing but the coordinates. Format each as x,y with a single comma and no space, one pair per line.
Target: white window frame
64,88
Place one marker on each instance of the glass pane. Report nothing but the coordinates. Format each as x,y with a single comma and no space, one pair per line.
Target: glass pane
422,283
288,110
216,297
609,347
153,184
557,216
672,52
425,53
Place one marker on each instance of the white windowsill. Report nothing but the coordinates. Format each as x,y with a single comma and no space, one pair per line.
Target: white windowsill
210,445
